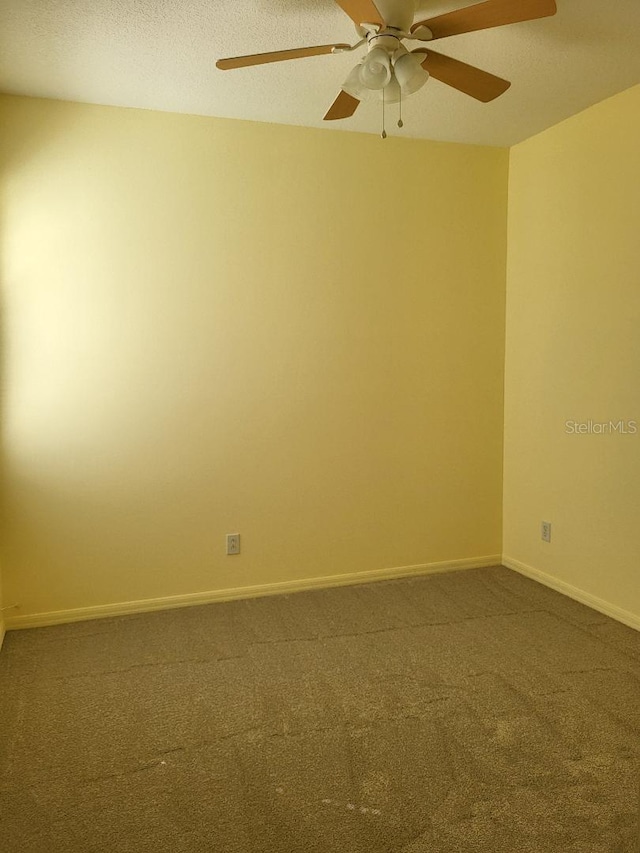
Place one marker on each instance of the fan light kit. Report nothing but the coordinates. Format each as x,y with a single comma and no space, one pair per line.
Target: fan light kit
388,72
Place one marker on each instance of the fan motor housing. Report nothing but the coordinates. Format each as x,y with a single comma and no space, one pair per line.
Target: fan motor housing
388,41
397,13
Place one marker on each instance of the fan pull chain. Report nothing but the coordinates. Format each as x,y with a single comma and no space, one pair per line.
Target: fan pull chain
400,122
384,132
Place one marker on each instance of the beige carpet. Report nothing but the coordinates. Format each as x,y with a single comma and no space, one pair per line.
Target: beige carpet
475,711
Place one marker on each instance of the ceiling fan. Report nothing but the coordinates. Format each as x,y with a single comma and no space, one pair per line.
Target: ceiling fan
388,71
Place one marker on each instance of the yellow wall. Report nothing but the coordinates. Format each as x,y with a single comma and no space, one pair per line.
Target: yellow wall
2,625
573,354
217,326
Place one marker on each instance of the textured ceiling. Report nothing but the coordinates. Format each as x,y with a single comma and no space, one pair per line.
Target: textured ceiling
160,54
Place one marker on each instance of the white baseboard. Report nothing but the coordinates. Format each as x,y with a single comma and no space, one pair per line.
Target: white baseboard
624,616
57,617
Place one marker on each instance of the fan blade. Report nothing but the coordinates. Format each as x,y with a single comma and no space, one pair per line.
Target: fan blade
465,78
275,56
361,11
344,106
483,16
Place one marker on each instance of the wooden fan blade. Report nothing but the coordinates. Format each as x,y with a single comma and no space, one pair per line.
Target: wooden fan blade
344,106
275,56
465,78
483,16
361,11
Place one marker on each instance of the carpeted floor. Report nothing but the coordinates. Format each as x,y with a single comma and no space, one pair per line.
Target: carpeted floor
474,711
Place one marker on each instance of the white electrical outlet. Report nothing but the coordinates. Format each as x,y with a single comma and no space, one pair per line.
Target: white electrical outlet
233,543
545,531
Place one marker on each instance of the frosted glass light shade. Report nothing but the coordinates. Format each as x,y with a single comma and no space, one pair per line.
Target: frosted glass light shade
391,92
375,71
409,73
404,77
353,86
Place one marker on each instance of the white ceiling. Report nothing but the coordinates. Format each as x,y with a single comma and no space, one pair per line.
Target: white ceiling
160,54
